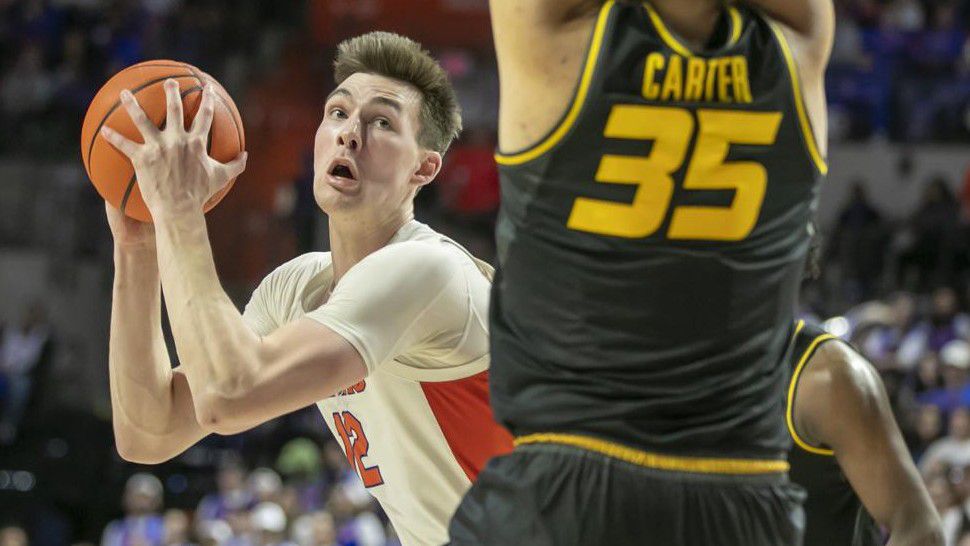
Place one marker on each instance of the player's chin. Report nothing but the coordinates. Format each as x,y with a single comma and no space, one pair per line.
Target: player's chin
332,201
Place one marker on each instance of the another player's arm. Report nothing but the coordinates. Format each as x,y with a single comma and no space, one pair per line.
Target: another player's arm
540,46
151,404
809,29
238,378
841,403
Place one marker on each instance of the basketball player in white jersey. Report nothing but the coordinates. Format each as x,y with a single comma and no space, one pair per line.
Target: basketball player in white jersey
386,333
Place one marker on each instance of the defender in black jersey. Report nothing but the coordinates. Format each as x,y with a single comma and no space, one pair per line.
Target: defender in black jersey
849,455
651,243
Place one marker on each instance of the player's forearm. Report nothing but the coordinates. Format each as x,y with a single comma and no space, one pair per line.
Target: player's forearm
152,419
219,352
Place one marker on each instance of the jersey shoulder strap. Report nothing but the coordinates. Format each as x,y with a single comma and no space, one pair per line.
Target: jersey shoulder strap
806,340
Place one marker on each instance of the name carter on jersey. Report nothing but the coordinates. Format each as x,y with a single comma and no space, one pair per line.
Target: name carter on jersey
676,78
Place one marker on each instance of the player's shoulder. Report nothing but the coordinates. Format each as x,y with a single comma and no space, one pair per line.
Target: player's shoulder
424,260
838,371
420,248
295,273
309,263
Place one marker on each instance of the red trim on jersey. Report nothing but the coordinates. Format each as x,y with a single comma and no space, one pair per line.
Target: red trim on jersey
465,417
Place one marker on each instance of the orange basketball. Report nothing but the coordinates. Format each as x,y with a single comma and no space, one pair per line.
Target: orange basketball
109,170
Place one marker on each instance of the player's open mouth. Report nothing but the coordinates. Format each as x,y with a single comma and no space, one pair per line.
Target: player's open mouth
343,168
342,176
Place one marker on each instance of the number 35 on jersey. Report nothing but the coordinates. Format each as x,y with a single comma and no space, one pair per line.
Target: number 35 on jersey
671,130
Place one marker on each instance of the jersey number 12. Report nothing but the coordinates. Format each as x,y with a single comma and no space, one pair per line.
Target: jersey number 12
356,447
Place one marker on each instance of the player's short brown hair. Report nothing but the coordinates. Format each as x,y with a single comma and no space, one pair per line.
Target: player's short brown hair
394,56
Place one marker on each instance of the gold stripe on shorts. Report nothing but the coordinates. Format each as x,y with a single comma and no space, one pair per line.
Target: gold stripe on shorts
701,465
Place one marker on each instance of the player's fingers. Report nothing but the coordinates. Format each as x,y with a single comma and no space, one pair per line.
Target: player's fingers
203,119
236,167
173,103
116,139
144,125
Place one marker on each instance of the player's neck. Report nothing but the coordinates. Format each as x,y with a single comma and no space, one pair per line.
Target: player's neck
352,240
694,21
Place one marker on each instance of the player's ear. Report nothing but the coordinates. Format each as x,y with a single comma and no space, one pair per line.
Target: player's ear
428,168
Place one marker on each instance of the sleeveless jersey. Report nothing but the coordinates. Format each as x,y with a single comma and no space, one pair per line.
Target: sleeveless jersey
835,515
651,246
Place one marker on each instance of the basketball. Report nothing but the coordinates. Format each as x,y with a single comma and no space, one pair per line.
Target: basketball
109,170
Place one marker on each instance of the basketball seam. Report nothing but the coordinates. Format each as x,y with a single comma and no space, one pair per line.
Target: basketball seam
223,101
115,107
208,144
131,183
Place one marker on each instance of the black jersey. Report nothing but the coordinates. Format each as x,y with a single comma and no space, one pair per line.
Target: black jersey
651,246
835,515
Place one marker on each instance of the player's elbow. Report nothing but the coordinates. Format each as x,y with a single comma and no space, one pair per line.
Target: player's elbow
220,414
134,448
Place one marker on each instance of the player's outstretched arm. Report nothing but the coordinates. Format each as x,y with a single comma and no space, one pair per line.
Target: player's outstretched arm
151,404
842,403
540,46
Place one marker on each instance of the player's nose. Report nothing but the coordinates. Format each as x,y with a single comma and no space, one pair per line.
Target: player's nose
349,135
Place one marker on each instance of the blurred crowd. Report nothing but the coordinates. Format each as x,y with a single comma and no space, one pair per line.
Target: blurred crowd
900,69
310,497
899,289
55,54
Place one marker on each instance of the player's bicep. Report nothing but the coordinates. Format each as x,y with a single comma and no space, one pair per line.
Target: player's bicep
299,364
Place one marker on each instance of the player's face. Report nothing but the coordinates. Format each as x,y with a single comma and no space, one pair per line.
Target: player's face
367,160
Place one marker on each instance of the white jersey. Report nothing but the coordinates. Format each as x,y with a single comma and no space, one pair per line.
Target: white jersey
419,427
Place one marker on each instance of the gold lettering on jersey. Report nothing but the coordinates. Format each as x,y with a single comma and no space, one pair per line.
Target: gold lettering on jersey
674,80
690,79
655,62
694,86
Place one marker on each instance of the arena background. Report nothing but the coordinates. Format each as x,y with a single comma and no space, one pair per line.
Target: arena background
894,220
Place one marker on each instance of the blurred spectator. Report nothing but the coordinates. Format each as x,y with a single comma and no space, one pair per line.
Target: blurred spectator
300,462
945,324
904,15
858,243
954,448
354,525
25,355
231,497
887,325
468,183
929,426
928,377
947,505
142,525
315,529
13,535
265,485
269,522
928,242
177,529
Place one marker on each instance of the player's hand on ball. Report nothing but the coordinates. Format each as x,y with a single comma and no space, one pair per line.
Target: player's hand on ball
174,170
129,233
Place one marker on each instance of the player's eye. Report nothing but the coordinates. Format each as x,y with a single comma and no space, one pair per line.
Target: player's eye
382,123
338,113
